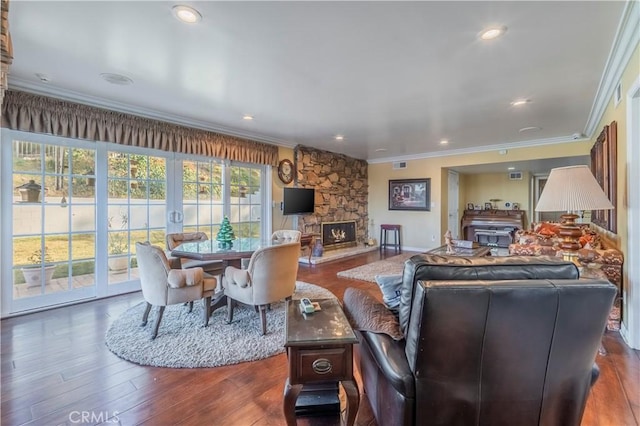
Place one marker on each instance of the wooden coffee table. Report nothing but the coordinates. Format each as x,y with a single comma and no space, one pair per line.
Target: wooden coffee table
466,252
320,351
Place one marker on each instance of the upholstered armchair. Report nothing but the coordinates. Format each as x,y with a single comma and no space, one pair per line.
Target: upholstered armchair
162,286
286,236
210,267
269,277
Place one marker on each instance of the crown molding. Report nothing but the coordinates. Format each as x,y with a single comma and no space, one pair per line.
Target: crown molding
478,149
94,101
626,40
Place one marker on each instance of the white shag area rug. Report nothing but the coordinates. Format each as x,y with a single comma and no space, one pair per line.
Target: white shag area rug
391,266
183,342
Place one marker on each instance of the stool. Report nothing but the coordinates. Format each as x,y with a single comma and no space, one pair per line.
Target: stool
397,246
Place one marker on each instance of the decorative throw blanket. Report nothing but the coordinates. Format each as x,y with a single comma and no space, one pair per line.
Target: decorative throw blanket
365,313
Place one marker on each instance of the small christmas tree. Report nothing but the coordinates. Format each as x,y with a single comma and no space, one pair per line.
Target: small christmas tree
225,234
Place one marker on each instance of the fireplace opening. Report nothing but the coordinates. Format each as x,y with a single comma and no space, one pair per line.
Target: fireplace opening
339,234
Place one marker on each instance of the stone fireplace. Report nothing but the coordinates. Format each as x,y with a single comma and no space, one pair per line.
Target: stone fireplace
339,234
341,190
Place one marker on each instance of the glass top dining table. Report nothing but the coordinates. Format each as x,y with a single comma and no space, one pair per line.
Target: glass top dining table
209,250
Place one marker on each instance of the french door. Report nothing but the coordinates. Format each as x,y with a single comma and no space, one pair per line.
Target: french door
72,211
48,221
212,190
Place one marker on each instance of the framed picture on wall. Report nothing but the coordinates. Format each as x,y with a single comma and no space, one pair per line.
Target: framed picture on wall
604,167
410,194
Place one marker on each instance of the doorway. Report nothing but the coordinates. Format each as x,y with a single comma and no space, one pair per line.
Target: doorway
539,181
453,223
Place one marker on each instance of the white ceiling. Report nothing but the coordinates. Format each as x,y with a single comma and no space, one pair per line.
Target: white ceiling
398,76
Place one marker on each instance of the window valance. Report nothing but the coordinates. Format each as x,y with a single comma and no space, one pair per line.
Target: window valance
40,114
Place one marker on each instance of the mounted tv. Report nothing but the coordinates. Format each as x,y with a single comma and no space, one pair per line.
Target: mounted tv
298,201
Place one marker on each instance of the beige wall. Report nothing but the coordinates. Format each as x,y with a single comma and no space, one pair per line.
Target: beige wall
481,188
278,221
619,114
424,230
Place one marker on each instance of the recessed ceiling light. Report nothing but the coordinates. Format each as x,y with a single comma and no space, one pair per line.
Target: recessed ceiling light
492,33
520,102
444,142
247,117
119,79
339,137
381,150
511,168
530,129
186,14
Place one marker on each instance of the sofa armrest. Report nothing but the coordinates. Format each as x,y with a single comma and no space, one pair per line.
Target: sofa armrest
179,278
239,277
602,256
391,361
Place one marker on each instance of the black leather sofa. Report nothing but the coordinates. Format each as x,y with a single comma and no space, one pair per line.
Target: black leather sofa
487,341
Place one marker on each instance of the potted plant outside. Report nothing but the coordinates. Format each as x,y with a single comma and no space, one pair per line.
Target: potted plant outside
39,268
118,246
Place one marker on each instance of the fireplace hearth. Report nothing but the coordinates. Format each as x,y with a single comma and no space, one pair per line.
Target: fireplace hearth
339,234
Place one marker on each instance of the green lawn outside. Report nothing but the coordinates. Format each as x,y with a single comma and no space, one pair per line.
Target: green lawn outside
57,249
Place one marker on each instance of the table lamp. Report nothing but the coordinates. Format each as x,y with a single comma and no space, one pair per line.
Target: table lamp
571,189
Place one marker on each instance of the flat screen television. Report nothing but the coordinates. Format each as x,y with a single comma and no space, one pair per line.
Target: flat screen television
298,201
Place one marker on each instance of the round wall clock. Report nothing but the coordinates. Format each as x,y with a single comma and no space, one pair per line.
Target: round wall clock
285,171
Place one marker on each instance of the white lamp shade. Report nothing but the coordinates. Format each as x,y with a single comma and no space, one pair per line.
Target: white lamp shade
570,189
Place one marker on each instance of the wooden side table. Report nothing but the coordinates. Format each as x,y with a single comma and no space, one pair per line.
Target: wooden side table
319,350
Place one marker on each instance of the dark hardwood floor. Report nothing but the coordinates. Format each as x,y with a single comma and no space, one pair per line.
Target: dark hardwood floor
55,367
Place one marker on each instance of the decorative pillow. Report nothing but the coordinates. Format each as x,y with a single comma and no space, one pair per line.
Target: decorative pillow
390,286
365,313
590,240
547,229
526,237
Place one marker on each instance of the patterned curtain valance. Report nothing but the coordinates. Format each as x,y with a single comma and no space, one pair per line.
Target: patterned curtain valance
40,114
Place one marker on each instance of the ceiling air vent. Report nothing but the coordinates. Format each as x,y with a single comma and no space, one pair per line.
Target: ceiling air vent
515,175
399,165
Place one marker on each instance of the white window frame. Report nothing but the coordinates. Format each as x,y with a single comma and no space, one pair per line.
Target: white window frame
9,306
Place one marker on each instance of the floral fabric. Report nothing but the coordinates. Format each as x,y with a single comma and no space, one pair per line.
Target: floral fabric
543,240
